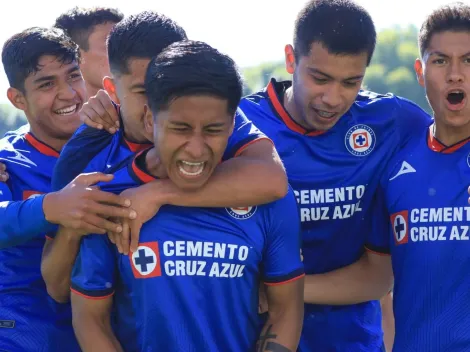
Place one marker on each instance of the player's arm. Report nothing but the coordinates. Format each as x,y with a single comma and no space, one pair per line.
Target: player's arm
281,332
92,286
92,326
369,278
283,275
388,321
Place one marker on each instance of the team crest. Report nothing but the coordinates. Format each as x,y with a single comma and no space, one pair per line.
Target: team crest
145,261
241,213
399,223
360,140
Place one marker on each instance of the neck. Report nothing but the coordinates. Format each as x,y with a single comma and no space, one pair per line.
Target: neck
154,165
291,107
450,135
53,142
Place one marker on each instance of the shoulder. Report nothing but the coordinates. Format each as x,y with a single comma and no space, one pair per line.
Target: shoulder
124,177
14,140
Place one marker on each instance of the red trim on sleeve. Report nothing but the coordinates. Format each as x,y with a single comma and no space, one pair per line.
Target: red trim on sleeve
91,297
378,253
284,282
244,146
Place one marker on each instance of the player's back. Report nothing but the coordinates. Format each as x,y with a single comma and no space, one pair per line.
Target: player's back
426,196
193,281
334,175
29,319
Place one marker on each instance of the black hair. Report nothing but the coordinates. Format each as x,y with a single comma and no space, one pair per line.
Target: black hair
452,17
21,53
79,23
341,26
144,35
192,68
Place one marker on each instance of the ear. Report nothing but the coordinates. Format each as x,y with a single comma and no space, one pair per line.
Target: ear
148,123
17,98
290,59
419,72
110,87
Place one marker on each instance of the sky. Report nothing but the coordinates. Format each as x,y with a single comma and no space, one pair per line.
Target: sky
250,31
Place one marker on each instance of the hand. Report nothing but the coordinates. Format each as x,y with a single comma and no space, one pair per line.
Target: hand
86,209
99,112
145,204
3,173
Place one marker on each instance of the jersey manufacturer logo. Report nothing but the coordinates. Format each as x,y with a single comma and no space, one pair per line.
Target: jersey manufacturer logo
360,140
17,158
145,261
31,194
241,213
404,169
399,223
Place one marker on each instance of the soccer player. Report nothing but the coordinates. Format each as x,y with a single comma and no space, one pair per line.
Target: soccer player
335,141
250,174
89,28
194,275
45,82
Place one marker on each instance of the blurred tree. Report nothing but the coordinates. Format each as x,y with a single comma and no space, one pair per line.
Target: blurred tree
10,118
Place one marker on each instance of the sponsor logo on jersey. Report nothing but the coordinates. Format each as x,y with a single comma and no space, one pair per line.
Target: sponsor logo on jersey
360,140
145,261
404,169
399,223
241,213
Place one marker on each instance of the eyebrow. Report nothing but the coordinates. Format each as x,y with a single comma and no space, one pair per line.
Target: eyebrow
441,54
52,77
185,124
314,70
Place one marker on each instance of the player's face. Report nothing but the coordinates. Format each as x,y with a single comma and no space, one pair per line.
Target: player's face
445,74
325,86
130,90
53,96
94,63
191,137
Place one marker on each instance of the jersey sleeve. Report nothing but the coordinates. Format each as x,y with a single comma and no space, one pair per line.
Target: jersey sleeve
282,262
411,120
244,133
93,275
84,145
378,238
21,221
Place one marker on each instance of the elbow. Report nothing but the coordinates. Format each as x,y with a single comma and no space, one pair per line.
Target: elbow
58,294
278,185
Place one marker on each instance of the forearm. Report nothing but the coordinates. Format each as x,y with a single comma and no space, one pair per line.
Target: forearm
237,182
57,263
96,336
356,283
280,333
21,221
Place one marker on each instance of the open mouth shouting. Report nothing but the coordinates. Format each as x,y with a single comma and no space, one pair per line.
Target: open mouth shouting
191,169
456,99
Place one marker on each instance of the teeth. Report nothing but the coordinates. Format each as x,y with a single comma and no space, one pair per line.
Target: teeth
190,168
325,113
66,111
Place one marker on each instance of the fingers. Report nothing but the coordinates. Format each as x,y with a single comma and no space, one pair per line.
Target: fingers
99,112
112,199
124,238
111,113
103,225
92,178
3,174
135,226
108,211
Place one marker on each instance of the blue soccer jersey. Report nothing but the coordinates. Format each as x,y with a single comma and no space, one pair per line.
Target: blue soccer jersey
93,150
425,226
334,175
30,321
192,284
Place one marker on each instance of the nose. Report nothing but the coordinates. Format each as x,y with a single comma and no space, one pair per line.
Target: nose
196,146
67,92
332,96
455,74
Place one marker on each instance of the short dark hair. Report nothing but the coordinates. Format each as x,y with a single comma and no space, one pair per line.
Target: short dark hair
192,68
21,53
144,35
80,22
452,17
342,26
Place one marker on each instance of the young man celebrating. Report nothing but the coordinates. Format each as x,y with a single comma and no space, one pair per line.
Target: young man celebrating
89,28
335,142
194,276
46,83
240,180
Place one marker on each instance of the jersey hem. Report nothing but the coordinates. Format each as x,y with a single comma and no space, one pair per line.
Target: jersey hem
96,295
295,275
